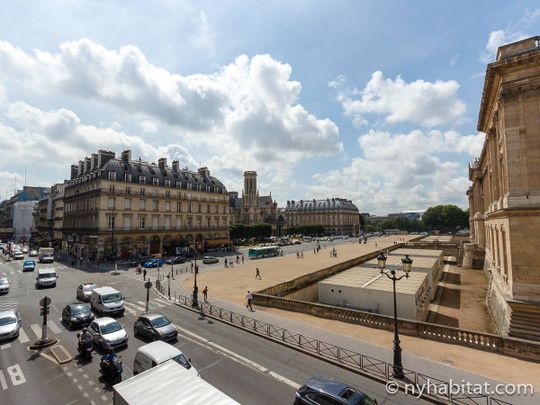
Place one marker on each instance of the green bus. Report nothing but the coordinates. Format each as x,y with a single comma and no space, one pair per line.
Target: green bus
265,251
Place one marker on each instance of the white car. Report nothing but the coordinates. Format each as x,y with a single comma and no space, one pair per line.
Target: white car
33,253
25,249
4,285
18,255
10,323
107,331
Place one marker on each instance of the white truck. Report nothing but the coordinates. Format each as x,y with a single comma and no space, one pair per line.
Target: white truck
46,255
168,384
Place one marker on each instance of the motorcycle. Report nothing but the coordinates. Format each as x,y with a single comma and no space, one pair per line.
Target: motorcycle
112,371
85,347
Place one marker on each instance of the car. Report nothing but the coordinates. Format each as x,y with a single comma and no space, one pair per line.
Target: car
4,285
158,352
140,260
29,265
324,390
10,323
33,253
84,291
46,278
210,260
155,327
77,314
154,263
176,260
108,332
25,249
18,255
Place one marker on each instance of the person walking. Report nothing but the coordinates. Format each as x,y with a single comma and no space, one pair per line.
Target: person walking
205,293
242,259
226,265
249,298
258,274
144,274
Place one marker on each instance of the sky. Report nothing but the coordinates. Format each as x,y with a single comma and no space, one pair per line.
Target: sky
376,102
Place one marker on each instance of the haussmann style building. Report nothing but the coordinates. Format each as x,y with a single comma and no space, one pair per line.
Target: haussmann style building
338,216
131,207
504,199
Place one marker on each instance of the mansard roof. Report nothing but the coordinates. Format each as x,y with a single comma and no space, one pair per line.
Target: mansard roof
328,204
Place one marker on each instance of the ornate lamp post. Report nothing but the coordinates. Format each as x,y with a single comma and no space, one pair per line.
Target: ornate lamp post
406,263
195,300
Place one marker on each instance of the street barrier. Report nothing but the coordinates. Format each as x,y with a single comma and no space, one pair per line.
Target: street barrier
441,391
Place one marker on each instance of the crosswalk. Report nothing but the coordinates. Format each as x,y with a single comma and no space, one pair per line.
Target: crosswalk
138,307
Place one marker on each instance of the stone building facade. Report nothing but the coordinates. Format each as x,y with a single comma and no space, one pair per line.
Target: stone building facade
338,216
504,199
252,209
128,207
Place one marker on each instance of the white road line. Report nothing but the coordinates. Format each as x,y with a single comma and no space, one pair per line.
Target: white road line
162,301
54,327
158,304
138,307
23,337
141,303
104,397
131,311
6,346
284,380
36,329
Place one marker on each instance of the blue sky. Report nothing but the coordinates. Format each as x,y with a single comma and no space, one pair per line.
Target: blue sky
372,101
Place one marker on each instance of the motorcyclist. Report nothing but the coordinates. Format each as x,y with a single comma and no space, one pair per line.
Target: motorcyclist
108,361
85,337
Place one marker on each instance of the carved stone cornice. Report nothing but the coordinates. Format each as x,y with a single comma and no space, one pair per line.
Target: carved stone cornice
513,93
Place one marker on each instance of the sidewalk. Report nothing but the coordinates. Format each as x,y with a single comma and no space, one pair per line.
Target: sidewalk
228,287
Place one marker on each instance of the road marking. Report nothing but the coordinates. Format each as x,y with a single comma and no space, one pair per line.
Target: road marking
69,373
23,337
36,329
85,394
6,346
138,307
159,304
54,327
162,301
131,311
85,376
75,380
143,304
238,358
80,387
91,382
104,397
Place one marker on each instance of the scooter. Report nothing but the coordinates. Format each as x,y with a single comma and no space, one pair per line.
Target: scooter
112,371
85,348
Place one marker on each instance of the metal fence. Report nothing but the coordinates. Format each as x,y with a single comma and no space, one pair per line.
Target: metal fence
414,383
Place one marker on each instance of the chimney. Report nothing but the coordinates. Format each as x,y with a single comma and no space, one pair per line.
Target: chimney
162,163
74,171
175,166
94,161
87,163
126,156
104,156
81,167
203,171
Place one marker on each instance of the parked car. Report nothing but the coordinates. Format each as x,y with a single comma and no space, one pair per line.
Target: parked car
323,390
155,327
25,249
107,331
33,253
84,291
140,260
176,260
77,314
29,265
18,255
10,323
154,263
210,260
4,285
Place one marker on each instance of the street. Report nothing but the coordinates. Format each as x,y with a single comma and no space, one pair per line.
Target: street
248,368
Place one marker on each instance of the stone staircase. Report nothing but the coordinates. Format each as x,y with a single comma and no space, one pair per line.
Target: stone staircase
525,324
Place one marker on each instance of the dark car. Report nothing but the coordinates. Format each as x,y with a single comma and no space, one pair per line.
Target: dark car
323,390
77,314
29,265
155,327
176,260
154,263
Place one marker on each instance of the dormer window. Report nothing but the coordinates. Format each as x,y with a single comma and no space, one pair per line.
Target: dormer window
167,183
155,181
127,177
112,175
142,179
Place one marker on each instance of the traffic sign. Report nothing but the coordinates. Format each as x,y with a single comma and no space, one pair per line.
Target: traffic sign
44,311
45,302
148,285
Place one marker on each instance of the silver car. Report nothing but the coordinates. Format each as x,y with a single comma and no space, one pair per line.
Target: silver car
10,323
4,285
84,291
155,327
108,332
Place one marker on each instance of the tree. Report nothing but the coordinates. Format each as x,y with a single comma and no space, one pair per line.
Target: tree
446,217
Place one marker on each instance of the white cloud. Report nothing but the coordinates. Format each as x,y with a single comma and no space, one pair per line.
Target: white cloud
455,59
499,38
148,126
421,102
403,171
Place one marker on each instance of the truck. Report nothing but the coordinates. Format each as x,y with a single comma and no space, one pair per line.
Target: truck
168,384
46,255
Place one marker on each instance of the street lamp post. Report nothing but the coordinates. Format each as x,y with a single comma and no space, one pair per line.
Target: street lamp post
406,263
195,300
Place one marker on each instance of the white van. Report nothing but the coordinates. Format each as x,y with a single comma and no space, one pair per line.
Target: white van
107,301
46,278
158,352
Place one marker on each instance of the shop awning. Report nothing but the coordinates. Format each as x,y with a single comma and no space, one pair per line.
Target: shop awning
218,242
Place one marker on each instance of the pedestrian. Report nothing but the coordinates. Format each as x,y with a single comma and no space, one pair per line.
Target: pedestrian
226,265
302,255
258,274
237,259
205,293
192,267
242,259
144,274
249,298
